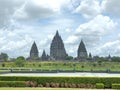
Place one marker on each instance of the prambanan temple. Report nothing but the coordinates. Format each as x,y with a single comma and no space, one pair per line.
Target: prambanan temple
57,50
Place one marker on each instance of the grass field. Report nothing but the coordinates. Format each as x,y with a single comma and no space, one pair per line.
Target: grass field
78,66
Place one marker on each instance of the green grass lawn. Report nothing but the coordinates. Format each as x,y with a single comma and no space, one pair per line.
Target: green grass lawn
79,66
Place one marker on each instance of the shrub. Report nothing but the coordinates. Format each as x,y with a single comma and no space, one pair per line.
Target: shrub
66,85
34,84
31,84
85,86
28,83
73,86
54,85
116,86
62,85
40,85
12,84
57,85
47,85
99,85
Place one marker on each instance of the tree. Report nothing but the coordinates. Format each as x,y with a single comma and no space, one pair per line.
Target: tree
74,65
69,58
89,57
20,61
100,62
4,56
82,66
94,64
116,59
3,65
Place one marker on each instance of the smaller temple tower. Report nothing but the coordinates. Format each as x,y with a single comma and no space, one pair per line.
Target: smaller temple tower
34,54
109,58
82,52
44,56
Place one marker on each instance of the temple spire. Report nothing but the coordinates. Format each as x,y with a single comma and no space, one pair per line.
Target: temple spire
44,56
34,51
57,34
82,52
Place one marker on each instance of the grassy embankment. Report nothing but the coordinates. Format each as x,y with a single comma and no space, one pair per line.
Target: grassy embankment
78,66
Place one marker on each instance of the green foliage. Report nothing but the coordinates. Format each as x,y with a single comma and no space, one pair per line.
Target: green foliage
12,84
36,58
115,59
3,65
100,62
4,56
20,61
69,58
107,81
116,86
102,59
99,85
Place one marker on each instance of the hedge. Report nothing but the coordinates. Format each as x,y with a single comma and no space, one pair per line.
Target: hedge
99,85
116,86
12,84
107,81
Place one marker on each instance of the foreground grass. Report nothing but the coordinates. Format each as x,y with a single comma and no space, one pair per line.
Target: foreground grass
47,89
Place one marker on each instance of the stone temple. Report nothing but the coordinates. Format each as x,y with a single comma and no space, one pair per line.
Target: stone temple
44,56
57,50
82,52
34,51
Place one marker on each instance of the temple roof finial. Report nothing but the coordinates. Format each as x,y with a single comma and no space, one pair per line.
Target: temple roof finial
57,33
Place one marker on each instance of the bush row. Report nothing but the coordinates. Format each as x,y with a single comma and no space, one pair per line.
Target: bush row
116,86
99,85
58,85
107,81
12,84
54,85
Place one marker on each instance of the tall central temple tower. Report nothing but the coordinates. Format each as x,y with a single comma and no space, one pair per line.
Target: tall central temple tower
82,52
57,50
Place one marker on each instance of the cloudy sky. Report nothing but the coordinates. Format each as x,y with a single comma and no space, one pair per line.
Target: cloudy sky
96,22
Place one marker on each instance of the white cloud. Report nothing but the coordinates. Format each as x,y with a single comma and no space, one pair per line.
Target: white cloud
94,29
89,8
119,35
28,10
112,7
7,9
99,26
32,10
107,48
14,44
55,5
37,9
72,40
